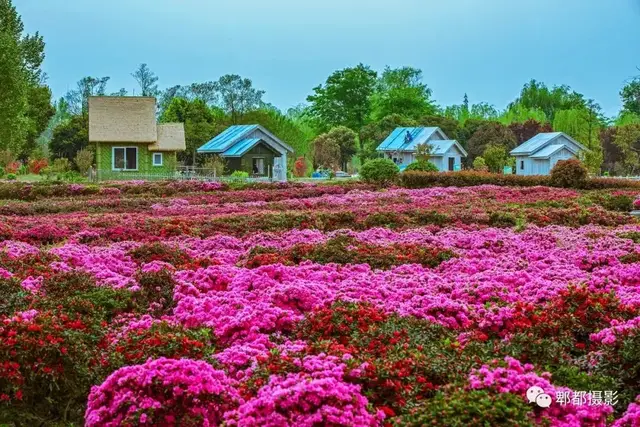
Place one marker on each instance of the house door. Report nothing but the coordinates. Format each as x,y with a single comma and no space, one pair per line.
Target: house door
452,162
258,166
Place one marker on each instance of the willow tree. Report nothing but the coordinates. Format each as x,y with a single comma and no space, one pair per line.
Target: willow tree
627,139
520,114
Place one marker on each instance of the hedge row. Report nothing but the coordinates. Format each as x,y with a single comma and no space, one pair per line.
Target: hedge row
472,178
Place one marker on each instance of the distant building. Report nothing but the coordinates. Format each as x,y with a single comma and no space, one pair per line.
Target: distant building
540,154
252,149
127,139
400,146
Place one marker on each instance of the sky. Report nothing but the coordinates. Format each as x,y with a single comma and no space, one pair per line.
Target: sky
485,48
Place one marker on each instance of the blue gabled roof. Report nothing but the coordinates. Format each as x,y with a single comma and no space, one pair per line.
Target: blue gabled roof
396,140
535,143
241,147
226,139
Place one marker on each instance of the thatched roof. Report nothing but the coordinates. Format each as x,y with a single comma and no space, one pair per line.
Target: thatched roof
122,119
170,138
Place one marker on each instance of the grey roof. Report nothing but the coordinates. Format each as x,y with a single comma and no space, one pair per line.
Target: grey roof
234,141
549,150
542,140
396,140
534,143
441,147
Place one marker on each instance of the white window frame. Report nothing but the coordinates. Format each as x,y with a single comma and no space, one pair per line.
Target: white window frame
153,159
113,158
264,165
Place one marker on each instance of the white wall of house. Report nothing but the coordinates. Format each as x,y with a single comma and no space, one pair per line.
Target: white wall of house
541,166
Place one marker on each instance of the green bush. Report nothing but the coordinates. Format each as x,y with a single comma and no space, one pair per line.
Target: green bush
61,165
12,177
422,166
480,164
461,407
570,173
380,171
240,175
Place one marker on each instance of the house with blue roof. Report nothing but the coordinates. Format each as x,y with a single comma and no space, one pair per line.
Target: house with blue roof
252,149
539,155
400,146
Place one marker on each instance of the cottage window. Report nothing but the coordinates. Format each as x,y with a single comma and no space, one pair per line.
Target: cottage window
157,159
125,158
521,164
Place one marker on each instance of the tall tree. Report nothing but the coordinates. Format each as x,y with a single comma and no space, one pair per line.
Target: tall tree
581,123
38,114
401,91
345,98
536,95
627,139
21,57
529,129
630,95
612,154
462,112
61,115
448,125
78,98
326,152
147,80
201,123
492,133
70,137
237,95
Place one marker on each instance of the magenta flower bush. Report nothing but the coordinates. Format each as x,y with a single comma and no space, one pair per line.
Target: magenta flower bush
162,392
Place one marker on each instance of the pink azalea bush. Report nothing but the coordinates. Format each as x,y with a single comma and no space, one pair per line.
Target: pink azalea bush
162,392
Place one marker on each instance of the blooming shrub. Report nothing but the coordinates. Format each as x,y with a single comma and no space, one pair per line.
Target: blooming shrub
166,392
305,401
186,303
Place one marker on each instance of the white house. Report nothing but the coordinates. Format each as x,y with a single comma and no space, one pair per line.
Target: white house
540,154
400,146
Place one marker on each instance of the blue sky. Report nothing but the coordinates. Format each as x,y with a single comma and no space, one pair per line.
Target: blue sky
486,48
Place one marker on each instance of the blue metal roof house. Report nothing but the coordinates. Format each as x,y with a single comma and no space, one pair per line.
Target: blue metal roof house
539,155
400,146
250,148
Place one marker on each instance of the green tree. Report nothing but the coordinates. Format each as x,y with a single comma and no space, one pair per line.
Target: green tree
326,152
536,95
582,124
517,113
237,96
374,133
345,98
448,125
61,114
147,80
466,131
38,114
401,91
630,95
201,123
627,139
70,137
13,96
495,157
461,113
324,147
490,134
21,56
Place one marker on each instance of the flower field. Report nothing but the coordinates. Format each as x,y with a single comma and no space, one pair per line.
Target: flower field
190,304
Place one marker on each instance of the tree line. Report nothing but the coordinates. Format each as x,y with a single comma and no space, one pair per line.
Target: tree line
339,126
